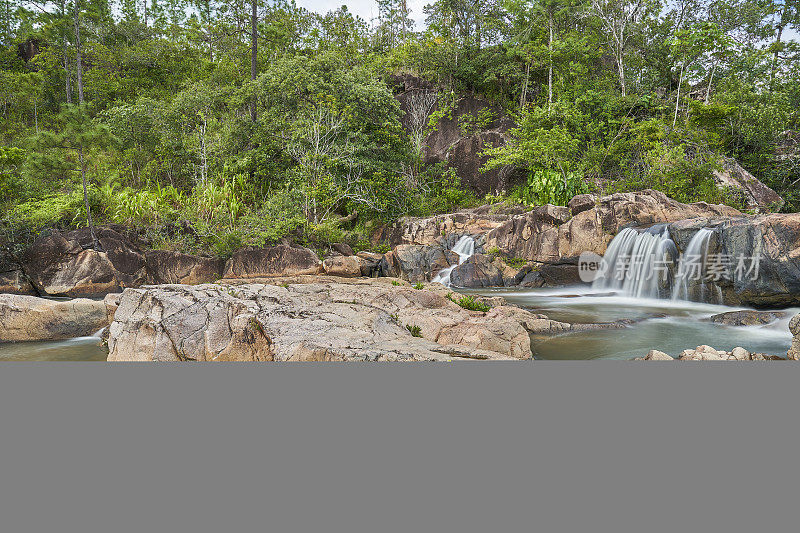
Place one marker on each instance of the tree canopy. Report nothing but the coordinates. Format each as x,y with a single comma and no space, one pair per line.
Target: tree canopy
251,121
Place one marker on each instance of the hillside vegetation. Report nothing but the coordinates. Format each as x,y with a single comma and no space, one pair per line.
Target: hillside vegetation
214,125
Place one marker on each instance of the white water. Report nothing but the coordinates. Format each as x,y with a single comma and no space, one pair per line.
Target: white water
465,248
690,282
667,325
639,264
647,264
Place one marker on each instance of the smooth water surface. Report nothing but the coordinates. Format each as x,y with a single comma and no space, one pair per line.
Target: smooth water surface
78,349
667,325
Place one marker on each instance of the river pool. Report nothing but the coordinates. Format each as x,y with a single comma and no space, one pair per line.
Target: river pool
666,325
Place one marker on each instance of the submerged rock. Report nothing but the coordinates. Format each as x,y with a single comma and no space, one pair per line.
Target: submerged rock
748,318
28,318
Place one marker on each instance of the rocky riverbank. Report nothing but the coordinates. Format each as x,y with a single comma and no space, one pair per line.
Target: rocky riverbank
315,319
513,248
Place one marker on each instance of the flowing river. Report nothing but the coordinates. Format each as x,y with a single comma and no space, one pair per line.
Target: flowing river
667,325
644,279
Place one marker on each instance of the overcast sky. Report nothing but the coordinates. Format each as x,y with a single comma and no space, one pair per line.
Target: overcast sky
366,9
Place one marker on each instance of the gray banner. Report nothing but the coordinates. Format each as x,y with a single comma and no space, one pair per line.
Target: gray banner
536,446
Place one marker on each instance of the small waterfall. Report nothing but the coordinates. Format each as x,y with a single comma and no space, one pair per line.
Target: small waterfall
465,248
691,282
646,264
639,264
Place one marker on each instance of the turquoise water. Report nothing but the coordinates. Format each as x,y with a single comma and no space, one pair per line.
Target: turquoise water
666,325
79,349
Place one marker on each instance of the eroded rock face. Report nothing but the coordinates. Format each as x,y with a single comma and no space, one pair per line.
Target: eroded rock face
458,146
794,327
342,266
166,267
416,263
480,271
13,280
548,234
271,261
773,239
28,318
432,230
66,264
756,195
314,318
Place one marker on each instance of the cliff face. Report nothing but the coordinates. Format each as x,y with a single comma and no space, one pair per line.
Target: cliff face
457,140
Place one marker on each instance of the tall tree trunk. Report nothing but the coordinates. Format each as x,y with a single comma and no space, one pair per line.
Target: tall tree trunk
524,96
78,54
710,79
550,70
678,97
79,64
65,48
253,54
776,45
621,66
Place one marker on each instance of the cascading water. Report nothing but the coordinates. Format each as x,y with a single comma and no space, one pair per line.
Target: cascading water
639,264
646,264
691,282
464,248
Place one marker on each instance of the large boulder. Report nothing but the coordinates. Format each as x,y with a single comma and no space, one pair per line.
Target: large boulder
431,230
342,266
166,267
272,261
478,271
794,327
547,234
756,195
28,318
320,318
12,278
67,264
416,263
760,256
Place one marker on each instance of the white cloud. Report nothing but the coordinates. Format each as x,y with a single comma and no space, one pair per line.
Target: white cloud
366,9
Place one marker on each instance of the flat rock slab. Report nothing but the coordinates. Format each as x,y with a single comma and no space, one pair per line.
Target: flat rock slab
313,319
28,318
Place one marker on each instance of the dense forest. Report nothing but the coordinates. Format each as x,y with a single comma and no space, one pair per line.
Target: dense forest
213,125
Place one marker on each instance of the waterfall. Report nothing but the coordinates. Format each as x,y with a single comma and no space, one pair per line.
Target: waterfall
646,264
691,282
639,264
464,248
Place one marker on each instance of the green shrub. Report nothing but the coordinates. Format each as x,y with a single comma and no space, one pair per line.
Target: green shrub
419,286
415,331
549,187
470,303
